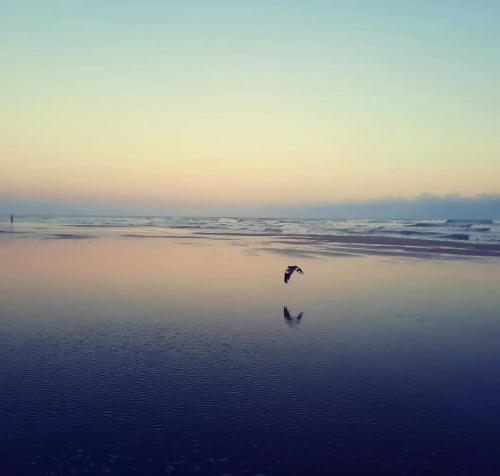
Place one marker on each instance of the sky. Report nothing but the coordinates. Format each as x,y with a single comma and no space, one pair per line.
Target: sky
181,105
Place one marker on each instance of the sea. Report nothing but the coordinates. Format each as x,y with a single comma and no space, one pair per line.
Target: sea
471,230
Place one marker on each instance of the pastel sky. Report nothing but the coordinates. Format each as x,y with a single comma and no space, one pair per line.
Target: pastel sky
248,100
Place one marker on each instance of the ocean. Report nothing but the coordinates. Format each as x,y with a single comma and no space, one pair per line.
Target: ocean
474,231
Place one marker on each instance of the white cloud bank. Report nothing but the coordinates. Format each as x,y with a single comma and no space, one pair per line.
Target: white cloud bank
426,206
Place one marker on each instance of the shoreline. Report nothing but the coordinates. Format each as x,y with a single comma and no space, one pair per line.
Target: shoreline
310,244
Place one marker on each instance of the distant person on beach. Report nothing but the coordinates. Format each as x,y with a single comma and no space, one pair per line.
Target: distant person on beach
11,218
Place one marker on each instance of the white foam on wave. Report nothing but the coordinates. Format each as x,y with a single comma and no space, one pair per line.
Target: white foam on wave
476,231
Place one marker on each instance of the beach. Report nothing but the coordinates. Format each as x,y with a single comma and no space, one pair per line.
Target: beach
145,351
250,238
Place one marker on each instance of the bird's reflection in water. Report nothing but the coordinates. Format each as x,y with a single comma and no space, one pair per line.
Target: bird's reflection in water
291,320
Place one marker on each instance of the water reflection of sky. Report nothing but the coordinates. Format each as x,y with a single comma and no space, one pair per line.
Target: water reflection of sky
148,355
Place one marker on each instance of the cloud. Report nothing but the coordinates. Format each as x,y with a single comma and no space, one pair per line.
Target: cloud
425,206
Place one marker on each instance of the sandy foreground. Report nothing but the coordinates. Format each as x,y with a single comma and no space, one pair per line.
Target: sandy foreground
126,352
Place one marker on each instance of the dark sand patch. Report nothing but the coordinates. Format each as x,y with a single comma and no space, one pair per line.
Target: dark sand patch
384,245
70,236
177,237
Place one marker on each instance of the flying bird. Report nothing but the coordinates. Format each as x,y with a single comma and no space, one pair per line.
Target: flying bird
289,271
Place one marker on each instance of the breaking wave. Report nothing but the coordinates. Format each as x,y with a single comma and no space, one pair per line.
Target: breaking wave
475,231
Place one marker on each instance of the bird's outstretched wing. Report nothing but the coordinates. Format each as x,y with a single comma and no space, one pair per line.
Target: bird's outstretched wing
286,313
288,273
299,270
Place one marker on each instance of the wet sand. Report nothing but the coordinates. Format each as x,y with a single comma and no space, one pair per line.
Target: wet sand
300,244
127,355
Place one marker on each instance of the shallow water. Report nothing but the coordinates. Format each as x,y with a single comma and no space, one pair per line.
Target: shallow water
153,356
472,231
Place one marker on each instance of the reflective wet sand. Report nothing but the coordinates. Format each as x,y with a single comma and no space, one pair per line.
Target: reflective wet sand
137,355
